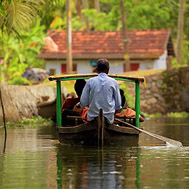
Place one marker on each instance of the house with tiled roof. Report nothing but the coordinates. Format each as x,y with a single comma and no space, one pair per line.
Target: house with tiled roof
148,49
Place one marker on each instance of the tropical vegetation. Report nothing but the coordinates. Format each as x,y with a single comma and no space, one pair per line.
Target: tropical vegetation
24,24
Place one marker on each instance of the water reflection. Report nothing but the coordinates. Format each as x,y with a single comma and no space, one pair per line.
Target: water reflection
172,128
35,159
29,159
98,167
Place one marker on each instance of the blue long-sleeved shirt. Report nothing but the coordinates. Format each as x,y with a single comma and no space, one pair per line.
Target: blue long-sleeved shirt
101,92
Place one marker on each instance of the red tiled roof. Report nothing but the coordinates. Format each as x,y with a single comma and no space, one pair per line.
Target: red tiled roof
93,44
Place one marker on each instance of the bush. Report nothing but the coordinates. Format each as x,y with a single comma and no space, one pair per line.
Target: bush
35,121
130,100
178,115
18,80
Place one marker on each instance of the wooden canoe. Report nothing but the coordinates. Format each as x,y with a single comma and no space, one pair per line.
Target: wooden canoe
98,132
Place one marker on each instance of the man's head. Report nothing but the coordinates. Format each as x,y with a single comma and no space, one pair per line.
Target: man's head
103,66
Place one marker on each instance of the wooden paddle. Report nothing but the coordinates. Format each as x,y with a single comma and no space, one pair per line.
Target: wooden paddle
165,139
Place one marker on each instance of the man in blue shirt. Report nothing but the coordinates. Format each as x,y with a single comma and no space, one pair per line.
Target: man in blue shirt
101,92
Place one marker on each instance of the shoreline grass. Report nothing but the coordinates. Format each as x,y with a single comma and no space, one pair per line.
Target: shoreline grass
34,122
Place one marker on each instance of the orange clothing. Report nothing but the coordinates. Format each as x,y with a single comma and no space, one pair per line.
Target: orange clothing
83,114
69,103
128,112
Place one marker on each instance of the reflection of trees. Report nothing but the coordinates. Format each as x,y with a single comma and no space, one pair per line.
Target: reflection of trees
1,166
108,167
168,127
25,163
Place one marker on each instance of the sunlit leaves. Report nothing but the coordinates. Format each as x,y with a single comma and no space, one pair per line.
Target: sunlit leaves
99,21
20,53
145,16
18,14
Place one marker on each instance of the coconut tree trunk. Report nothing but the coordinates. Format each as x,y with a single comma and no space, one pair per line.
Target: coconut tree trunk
69,67
78,6
97,5
85,5
180,28
124,37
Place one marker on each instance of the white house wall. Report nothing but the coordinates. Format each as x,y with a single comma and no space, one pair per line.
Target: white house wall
154,64
161,62
146,65
84,67
116,67
54,64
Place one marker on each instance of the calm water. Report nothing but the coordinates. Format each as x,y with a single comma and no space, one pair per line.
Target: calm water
35,159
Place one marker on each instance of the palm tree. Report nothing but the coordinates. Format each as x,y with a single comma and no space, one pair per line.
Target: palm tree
18,14
180,30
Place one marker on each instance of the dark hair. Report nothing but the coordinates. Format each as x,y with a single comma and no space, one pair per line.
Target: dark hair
79,85
102,65
123,99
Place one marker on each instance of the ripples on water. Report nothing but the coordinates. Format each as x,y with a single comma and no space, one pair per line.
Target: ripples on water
35,159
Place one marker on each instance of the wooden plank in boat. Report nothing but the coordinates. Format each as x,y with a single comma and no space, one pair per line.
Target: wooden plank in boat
78,128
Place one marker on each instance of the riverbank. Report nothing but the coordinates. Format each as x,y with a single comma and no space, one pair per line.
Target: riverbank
35,121
38,121
21,101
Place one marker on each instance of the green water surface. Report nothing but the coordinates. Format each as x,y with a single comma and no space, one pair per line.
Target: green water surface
35,159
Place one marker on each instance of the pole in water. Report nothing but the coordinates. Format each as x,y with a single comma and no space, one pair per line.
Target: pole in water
4,121
100,128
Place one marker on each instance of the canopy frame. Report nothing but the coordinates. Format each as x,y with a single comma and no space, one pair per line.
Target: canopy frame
58,80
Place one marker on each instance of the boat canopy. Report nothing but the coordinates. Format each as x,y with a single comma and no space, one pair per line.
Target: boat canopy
87,76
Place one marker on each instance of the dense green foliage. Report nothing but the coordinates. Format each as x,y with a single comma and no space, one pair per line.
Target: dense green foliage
16,15
33,122
170,115
19,52
23,25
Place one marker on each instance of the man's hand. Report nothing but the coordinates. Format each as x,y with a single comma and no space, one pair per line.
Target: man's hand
78,105
118,111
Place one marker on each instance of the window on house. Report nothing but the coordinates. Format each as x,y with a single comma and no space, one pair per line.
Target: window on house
52,71
133,67
63,68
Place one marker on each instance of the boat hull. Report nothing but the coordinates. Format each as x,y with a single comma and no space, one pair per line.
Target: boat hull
88,134
47,109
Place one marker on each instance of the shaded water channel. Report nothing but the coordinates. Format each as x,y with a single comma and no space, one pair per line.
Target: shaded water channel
35,159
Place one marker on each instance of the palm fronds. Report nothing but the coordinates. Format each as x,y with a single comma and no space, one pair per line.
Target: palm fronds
18,14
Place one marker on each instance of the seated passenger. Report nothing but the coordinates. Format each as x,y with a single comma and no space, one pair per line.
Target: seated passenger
126,111
69,103
71,100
